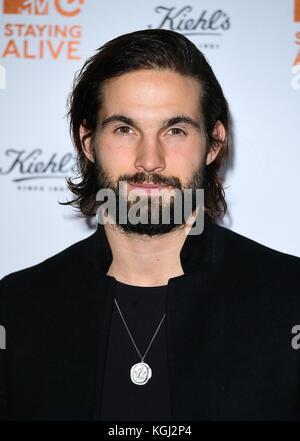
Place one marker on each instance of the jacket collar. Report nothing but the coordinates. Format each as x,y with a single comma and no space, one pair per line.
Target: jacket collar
197,249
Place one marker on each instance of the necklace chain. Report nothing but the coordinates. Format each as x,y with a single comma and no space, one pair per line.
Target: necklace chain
142,358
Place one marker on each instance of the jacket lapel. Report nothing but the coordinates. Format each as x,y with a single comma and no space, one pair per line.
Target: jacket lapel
193,327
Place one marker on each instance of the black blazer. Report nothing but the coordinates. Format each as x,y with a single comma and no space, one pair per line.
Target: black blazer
229,332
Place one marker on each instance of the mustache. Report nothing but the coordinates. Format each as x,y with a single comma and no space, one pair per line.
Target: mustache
153,178
103,179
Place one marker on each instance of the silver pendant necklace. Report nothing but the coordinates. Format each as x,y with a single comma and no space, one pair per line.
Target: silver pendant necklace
140,373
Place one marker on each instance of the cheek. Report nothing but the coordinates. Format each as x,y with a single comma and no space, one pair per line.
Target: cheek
183,162
115,159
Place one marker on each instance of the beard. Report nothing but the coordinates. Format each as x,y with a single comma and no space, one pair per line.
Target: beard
149,228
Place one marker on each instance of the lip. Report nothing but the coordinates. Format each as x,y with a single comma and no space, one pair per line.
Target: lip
148,187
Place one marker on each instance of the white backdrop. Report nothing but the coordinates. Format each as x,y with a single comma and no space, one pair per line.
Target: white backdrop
252,47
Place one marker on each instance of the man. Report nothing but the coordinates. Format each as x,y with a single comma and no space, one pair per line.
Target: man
145,320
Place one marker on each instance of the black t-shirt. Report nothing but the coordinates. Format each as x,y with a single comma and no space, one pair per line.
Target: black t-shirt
142,309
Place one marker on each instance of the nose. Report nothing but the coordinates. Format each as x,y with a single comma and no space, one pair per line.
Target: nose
150,155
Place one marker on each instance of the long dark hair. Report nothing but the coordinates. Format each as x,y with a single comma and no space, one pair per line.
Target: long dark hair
146,49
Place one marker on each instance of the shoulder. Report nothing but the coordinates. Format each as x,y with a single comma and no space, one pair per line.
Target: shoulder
55,270
240,244
254,260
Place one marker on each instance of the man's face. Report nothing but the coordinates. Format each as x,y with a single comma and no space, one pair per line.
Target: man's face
150,132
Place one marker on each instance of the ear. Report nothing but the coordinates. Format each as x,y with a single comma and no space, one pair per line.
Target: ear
219,133
86,144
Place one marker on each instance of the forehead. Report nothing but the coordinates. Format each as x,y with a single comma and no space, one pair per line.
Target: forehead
151,93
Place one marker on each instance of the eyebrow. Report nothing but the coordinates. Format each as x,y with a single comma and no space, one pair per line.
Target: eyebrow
167,123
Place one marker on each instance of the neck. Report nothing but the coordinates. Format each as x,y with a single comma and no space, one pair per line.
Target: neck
143,260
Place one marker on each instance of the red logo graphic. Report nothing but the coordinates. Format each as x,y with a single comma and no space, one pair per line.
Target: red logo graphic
24,6
67,8
297,10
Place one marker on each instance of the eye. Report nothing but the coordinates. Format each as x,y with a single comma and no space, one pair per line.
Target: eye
176,131
124,130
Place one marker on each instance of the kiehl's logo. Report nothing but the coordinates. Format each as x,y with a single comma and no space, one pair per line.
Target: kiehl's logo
184,20
67,8
26,166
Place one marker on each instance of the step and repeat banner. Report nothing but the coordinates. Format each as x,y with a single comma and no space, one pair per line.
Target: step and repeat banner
254,50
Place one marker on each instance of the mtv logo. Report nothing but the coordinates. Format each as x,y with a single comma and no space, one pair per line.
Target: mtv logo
297,10
36,7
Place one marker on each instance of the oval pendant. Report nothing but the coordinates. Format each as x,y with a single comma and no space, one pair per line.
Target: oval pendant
140,373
